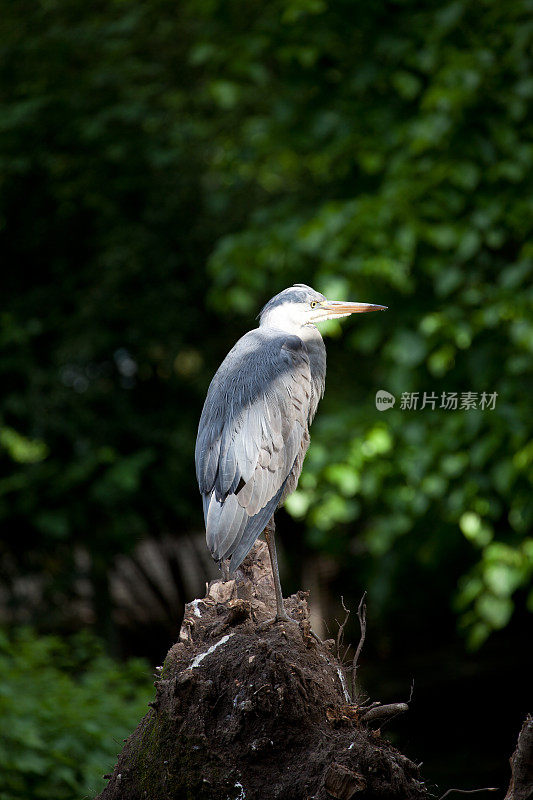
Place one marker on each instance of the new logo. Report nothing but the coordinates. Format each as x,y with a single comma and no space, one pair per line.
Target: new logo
384,400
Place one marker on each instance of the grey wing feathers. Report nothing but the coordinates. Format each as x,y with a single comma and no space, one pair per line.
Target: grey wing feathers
251,429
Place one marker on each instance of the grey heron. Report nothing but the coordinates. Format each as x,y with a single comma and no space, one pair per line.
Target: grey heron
254,428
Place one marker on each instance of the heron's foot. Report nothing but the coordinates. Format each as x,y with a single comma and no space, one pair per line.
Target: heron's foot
279,618
281,614
283,619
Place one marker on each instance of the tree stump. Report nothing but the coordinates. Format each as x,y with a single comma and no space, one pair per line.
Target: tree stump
521,785
250,710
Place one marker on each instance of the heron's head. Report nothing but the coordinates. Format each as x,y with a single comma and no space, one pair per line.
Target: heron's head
300,305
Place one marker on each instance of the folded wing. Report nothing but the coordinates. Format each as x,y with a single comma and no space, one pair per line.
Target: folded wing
251,430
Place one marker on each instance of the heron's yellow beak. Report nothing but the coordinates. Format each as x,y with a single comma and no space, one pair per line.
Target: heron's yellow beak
344,307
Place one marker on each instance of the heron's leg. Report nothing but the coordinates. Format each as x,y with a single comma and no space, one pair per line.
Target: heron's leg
225,571
281,614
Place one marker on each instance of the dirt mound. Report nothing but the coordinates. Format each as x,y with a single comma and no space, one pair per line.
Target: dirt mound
246,709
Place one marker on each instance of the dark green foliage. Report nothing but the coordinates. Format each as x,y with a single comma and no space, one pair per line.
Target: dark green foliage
380,152
395,157
65,709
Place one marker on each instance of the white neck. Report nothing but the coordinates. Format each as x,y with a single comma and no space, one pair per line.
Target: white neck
286,317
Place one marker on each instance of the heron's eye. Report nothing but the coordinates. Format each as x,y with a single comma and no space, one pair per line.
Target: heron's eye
313,303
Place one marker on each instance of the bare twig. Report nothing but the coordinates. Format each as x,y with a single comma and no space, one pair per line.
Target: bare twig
361,616
368,705
340,640
468,791
400,707
340,633
384,712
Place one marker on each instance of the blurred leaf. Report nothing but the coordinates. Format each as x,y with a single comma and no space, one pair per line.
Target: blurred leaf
21,449
65,706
